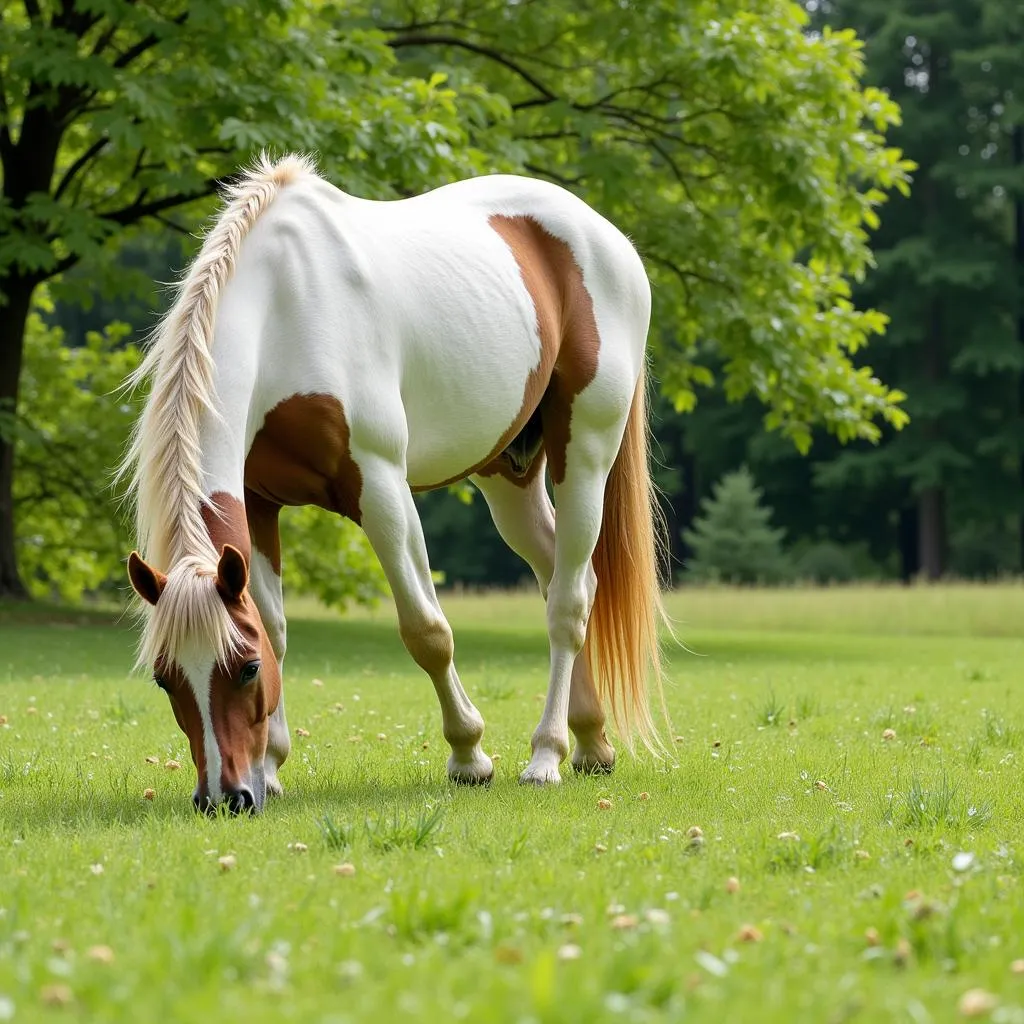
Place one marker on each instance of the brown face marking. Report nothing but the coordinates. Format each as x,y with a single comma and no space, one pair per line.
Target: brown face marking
302,456
568,335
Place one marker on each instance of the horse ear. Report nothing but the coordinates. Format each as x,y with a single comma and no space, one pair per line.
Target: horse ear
147,582
232,573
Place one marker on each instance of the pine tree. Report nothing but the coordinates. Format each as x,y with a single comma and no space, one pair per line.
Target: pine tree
733,540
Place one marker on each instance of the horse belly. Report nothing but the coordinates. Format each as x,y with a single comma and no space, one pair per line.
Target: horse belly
466,403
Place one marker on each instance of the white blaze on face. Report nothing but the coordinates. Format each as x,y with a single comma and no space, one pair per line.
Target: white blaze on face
198,669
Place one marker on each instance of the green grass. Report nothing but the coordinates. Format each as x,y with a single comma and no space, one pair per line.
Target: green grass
465,904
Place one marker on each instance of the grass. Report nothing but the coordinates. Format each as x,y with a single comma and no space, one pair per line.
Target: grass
852,757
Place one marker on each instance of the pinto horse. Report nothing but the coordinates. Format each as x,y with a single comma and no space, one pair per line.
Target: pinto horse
330,350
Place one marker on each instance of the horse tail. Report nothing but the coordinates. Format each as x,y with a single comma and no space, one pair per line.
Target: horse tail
164,453
622,646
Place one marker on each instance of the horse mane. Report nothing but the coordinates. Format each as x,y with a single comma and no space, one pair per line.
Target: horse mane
163,460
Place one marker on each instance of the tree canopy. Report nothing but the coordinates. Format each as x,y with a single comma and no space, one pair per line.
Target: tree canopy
739,148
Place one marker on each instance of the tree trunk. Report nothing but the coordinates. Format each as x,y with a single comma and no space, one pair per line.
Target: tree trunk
13,316
1018,252
931,510
907,533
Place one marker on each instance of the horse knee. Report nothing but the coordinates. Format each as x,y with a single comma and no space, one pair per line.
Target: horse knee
431,645
568,611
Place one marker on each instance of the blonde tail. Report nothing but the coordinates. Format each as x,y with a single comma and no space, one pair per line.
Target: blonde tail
622,647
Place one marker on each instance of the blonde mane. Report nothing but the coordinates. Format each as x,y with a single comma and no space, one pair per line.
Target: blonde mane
163,461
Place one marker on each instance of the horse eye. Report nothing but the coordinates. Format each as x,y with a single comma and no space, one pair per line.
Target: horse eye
161,682
249,672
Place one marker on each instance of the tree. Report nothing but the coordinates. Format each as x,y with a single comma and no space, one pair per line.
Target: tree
115,115
733,541
739,150
946,279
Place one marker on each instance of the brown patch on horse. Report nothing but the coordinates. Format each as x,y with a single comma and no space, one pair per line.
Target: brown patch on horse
302,456
263,528
568,335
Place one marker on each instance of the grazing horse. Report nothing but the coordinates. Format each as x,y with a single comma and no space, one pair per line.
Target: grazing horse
330,350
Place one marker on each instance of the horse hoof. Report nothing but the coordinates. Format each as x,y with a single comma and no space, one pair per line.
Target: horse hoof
477,772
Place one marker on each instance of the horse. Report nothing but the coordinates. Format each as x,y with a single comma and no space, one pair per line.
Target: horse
330,350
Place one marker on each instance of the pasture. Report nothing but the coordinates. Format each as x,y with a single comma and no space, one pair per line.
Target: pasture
850,758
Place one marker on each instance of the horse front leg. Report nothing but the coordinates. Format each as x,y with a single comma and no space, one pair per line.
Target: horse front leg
266,590
392,525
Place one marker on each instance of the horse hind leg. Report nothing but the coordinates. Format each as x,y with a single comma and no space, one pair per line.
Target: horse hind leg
392,525
525,518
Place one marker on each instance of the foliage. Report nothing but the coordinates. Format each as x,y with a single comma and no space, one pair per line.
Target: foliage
733,541
488,912
71,533
71,536
330,558
740,152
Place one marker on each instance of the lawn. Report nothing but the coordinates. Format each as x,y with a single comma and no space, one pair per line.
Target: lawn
839,837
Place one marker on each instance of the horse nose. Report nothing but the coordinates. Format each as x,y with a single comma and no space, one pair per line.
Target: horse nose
240,800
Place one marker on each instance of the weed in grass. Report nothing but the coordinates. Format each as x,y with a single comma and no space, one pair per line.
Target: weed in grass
1000,733
423,913
808,705
400,830
770,711
941,805
792,853
337,835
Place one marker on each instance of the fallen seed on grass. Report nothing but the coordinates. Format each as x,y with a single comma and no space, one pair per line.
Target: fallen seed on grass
717,743
298,847
318,682
680,739
911,896
872,938
172,765
424,745
748,933
976,1002
96,869
31,711
3,719
600,848
495,758
149,794
821,784
57,995
789,836
575,920
908,841
903,953
861,855
732,884
101,954
644,796
889,734
382,736
345,870
909,709
656,916
604,804
152,760
60,946
227,863
302,732
1017,967
624,922
569,951
694,832
508,955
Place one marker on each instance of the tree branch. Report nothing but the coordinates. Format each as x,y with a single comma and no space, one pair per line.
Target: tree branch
136,210
87,157
484,51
